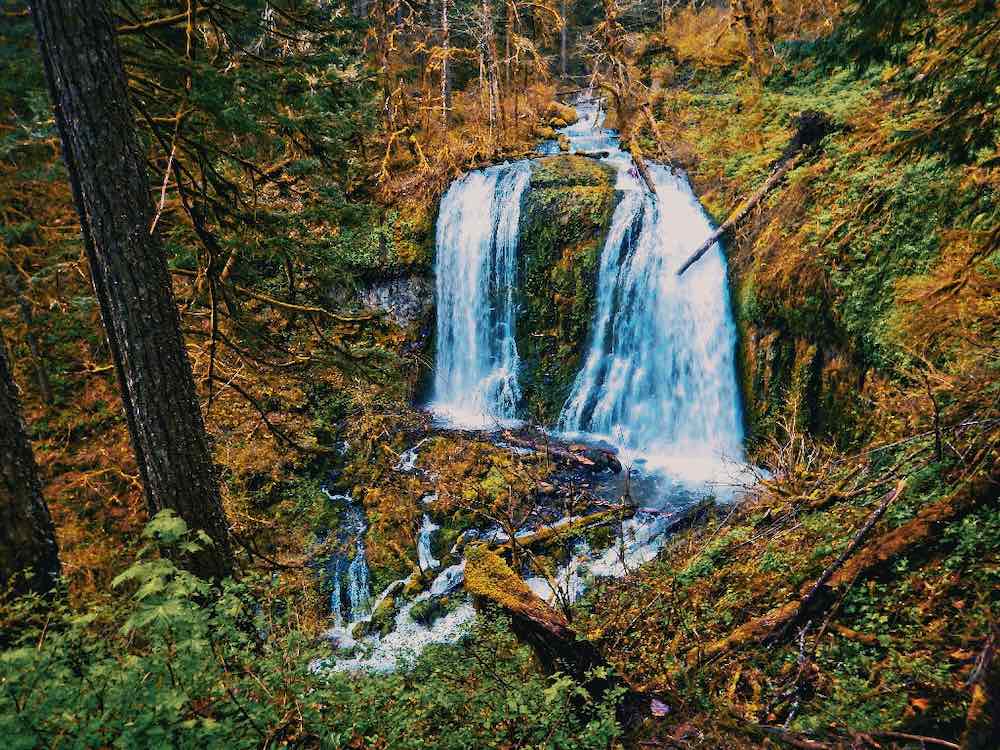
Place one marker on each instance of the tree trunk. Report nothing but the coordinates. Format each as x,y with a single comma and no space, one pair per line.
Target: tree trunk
563,41
745,16
29,557
446,47
129,270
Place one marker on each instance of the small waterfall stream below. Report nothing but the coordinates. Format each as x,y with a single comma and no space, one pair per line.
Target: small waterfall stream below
657,380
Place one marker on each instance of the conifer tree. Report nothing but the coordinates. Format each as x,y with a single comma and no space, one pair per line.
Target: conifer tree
129,270
29,557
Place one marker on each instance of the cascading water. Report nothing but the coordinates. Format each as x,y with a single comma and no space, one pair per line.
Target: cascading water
659,379
425,557
475,382
348,577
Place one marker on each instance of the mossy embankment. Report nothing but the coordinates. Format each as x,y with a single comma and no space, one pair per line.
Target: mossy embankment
865,289
564,219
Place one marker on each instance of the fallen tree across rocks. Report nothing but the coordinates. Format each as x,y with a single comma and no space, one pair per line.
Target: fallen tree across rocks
557,645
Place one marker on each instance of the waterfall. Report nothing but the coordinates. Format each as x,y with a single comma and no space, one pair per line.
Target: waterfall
475,381
425,559
349,579
659,378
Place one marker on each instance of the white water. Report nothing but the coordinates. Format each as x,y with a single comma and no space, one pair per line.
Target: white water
349,579
659,377
425,559
475,381
408,637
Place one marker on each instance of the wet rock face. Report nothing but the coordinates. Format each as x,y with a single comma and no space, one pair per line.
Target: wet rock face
564,220
405,299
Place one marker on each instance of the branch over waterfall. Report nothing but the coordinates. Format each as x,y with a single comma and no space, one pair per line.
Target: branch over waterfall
811,128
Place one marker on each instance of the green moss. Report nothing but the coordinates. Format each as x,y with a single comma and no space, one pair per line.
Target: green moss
382,621
430,610
564,220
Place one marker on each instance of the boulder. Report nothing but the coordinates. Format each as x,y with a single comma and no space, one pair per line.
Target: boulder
563,112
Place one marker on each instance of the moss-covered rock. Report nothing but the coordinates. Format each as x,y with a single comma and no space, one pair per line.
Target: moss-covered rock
430,610
564,219
383,619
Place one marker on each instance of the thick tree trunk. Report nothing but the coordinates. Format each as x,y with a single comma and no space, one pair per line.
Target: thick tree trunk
129,270
29,559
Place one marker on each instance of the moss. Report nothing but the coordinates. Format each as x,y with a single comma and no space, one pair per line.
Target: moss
430,610
564,220
382,621
489,577
413,234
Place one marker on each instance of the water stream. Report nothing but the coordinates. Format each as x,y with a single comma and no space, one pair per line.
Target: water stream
475,383
659,377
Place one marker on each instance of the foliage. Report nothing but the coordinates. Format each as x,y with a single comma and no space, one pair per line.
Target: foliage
171,669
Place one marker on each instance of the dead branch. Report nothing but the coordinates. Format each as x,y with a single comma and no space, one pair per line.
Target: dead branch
811,128
737,216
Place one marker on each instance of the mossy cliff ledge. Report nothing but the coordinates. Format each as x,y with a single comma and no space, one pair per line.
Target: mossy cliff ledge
564,220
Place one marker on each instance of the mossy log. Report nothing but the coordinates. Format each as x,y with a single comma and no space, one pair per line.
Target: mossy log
640,165
546,535
558,647
922,529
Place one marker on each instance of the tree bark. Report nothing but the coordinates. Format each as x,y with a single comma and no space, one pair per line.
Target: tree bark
745,16
129,270
29,557
446,47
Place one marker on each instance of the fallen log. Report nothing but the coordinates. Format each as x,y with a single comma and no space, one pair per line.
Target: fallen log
640,164
557,646
548,534
811,128
607,459
777,621
586,154
814,591
926,525
737,216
